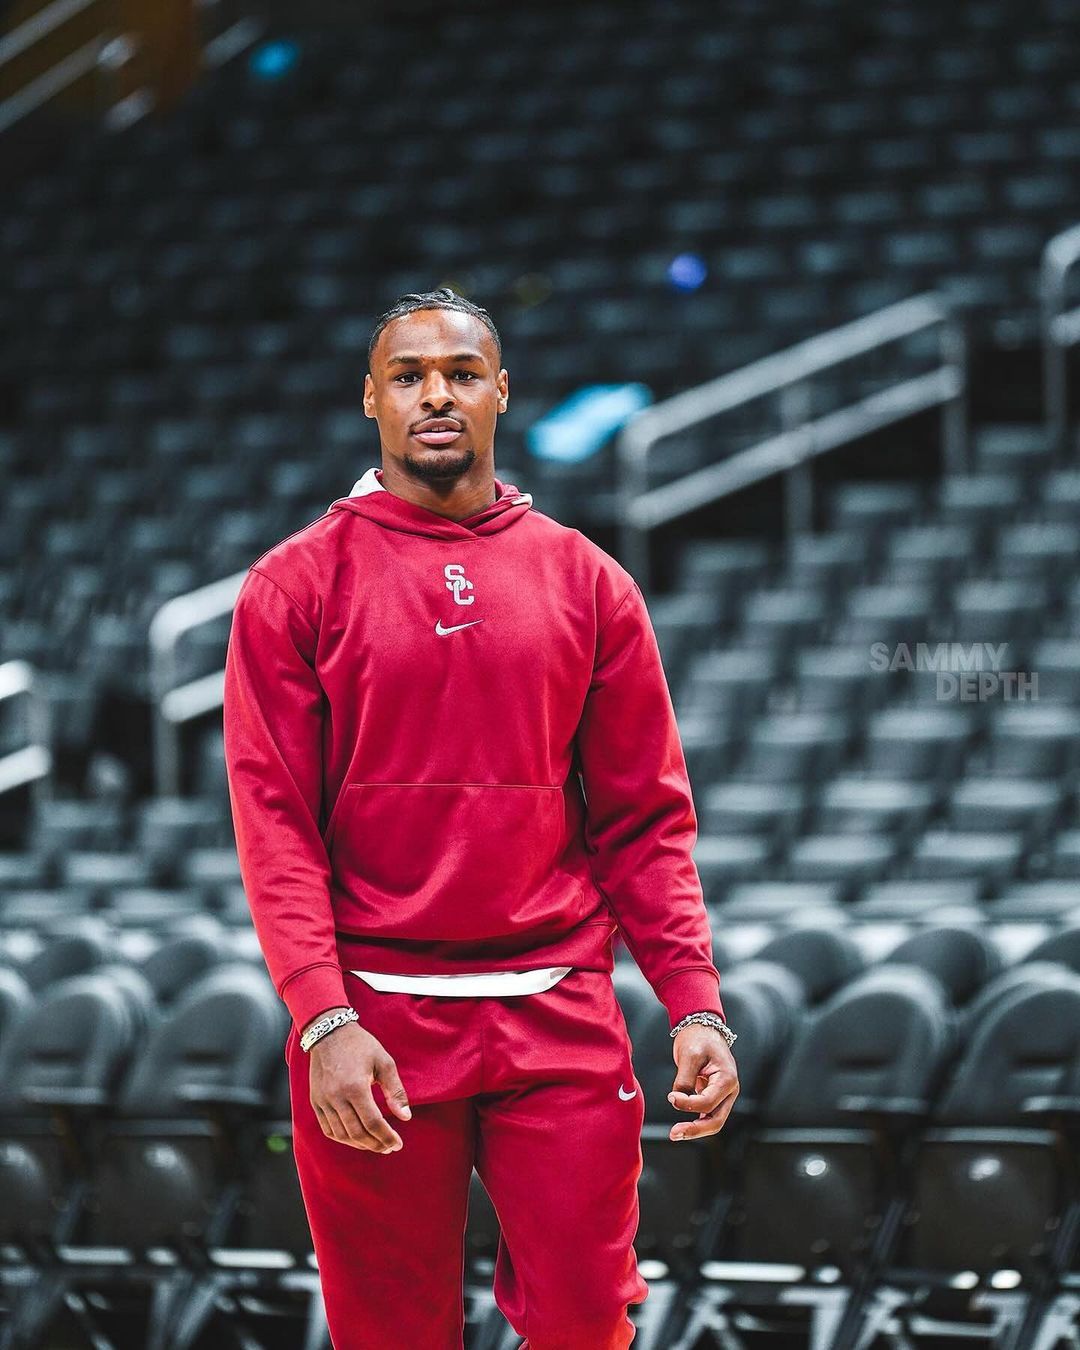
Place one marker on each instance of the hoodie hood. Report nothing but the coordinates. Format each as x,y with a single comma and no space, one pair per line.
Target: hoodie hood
371,499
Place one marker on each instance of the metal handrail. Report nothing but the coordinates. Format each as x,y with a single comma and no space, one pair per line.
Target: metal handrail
788,374
1060,331
104,55
54,81
176,704
33,763
40,25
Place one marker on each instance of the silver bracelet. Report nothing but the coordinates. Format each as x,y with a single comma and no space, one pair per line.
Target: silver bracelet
706,1019
325,1025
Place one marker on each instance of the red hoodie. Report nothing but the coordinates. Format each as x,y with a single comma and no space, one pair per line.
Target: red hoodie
451,747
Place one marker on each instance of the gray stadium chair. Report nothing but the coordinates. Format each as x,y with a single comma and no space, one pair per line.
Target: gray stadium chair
730,685
921,743
1030,740
871,508
828,562
1031,901
979,500
992,858
821,1182
781,620
773,811
962,960
778,901
824,959
1029,806
795,747
1065,859
851,805
888,613
989,1185
916,900
850,859
838,679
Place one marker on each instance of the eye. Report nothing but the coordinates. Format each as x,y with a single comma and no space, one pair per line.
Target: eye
406,375
466,374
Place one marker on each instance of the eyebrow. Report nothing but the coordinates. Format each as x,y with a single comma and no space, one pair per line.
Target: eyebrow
415,360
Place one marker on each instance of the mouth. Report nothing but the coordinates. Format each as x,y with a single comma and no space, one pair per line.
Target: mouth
438,431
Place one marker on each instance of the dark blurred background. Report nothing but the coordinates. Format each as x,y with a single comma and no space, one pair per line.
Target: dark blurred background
203,209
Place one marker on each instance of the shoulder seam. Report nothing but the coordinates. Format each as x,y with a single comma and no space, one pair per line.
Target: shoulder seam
291,599
618,605
300,529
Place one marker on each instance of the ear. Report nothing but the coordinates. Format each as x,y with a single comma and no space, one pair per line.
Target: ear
502,383
369,397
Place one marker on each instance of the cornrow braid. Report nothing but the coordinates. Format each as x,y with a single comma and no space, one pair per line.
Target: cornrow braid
441,298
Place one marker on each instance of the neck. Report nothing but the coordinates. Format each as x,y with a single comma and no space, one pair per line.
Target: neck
456,501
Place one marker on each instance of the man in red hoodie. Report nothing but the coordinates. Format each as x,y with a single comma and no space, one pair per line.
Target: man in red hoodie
455,774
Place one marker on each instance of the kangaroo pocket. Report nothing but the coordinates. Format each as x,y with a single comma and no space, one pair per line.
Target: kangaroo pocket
454,861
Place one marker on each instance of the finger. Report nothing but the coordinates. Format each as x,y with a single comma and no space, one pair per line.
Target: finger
362,1136
373,1120
686,1082
719,1084
331,1124
345,1128
393,1090
711,1123
713,1095
692,1071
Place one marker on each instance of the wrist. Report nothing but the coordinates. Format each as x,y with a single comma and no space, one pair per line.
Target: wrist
326,1025
707,1019
326,1012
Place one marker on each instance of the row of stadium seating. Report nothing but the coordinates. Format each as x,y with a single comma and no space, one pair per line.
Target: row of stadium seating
891,871
822,948
166,1078
183,352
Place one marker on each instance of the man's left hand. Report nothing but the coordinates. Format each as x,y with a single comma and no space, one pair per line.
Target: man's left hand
707,1081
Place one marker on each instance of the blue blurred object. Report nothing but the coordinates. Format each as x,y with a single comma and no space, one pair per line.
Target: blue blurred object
687,272
580,425
271,60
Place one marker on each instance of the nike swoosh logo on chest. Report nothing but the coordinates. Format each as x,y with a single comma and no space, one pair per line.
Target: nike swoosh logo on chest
442,632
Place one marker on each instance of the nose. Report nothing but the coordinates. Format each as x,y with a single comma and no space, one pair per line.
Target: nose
437,393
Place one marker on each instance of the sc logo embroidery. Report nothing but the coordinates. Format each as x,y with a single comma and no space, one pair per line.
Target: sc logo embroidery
457,582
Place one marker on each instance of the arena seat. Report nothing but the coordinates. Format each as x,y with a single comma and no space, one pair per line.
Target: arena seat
823,1172
824,959
772,811
962,960
181,362
60,1062
683,1190
989,1183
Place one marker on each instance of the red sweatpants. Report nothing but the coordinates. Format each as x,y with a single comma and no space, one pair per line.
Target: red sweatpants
532,1090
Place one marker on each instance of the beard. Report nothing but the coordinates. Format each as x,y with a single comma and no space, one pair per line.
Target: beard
442,467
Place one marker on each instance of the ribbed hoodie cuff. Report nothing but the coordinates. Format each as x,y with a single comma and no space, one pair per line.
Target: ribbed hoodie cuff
312,991
690,991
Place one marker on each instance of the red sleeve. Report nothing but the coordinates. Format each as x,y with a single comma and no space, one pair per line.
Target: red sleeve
641,825
273,760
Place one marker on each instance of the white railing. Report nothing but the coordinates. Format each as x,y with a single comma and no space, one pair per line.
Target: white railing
789,375
32,763
103,56
176,704
40,25
1060,332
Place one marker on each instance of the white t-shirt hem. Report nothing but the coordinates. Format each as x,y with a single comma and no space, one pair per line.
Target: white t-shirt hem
497,983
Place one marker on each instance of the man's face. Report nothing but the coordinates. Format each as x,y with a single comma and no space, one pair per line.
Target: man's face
436,390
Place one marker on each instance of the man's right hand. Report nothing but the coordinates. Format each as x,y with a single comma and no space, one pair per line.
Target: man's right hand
343,1066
